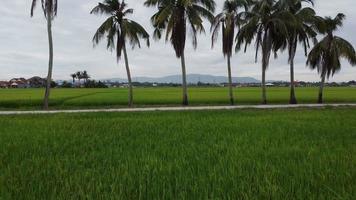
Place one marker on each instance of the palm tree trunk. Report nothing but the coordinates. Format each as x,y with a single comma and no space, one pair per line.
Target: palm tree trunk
130,103
50,64
321,89
232,102
292,51
293,99
266,53
184,81
264,95
263,84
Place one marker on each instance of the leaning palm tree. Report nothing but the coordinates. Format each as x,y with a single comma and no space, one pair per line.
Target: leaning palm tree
49,8
325,55
301,32
175,16
268,26
119,27
229,20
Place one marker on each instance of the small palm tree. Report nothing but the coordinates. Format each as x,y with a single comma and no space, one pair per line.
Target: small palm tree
175,16
85,76
74,76
228,20
325,55
79,77
268,26
49,8
119,27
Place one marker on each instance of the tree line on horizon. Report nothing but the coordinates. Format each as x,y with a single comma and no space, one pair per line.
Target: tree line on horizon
273,25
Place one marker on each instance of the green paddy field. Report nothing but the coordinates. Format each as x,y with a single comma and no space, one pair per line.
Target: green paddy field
29,99
237,154
228,154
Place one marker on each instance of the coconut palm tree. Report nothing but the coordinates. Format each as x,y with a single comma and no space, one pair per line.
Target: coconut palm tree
85,76
229,20
325,55
301,32
268,26
74,76
118,27
79,77
49,8
174,16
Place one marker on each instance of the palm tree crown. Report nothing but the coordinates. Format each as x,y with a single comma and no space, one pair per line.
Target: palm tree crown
326,54
229,19
118,27
268,26
175,15
49,7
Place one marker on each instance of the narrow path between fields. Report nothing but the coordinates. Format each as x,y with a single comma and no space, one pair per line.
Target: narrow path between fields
191,108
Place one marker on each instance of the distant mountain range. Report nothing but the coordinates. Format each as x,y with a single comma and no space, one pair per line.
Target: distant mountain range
191,78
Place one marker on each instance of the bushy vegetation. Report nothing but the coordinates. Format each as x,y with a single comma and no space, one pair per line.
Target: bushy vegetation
94,84
242,154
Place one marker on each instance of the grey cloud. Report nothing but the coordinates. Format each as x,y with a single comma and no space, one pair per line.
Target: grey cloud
24,48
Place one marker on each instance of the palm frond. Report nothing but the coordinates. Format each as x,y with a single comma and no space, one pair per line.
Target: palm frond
106,27
215,27
102,9
134,31
345,49
33,6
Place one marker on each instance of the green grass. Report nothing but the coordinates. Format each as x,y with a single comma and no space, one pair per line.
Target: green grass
240,154
92,98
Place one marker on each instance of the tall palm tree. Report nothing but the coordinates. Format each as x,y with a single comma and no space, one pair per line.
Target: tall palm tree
268,26
119,27
49,8
175,16
228,20
325,55
301,32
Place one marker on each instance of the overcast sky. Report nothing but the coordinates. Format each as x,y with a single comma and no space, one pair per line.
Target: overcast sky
24,46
